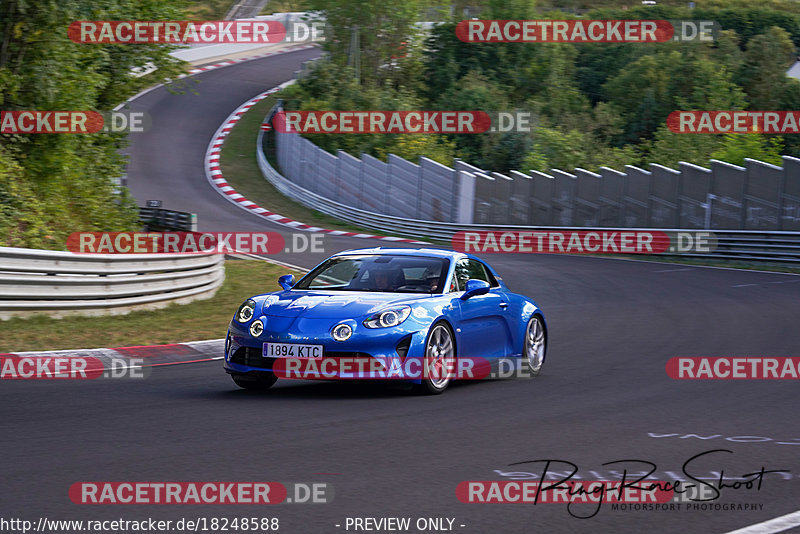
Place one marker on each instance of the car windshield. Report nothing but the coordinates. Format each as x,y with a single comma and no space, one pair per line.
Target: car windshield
382,273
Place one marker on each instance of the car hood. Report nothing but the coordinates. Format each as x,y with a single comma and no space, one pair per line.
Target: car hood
332,304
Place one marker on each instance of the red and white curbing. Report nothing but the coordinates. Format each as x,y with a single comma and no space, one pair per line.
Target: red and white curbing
229,62
141,356
213,173
218,181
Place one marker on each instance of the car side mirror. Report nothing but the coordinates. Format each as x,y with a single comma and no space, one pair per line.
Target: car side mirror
286,281
475,287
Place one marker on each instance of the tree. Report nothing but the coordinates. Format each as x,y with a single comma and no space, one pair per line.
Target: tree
680,78
474,92
750,21
668,148
737,147
554,149
642,93
726,50
367,33
57,184
763,72
21,216
561,97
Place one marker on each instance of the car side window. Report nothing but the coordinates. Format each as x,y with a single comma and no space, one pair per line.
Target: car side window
467,269
490,277
477,271
460,276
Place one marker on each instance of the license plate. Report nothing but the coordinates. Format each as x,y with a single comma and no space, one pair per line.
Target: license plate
292,350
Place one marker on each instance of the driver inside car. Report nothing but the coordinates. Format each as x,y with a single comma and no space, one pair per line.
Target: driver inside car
386,279
382,281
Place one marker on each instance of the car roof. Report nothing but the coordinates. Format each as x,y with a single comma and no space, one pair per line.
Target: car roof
429,252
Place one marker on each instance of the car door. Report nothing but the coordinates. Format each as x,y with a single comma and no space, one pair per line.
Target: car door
483,322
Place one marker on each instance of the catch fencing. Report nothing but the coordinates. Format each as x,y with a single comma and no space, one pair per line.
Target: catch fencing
754,210
758,196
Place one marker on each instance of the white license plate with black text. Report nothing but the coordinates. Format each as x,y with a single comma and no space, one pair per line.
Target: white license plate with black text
292,350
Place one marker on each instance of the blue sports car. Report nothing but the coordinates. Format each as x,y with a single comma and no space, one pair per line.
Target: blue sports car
389,307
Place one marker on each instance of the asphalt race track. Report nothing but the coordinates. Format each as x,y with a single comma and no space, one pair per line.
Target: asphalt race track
604,394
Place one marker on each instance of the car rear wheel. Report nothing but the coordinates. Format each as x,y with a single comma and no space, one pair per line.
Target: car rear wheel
256,383
440,360
535,345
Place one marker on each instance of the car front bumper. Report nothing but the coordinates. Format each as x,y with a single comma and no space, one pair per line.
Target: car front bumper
390,347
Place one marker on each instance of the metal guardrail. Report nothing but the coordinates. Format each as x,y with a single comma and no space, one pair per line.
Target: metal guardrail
161,220
245,8
34,282
745,245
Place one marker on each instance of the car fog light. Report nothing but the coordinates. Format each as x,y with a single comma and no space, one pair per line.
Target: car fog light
256,328
342,332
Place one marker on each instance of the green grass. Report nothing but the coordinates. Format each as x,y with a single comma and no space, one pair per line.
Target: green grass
202,319
207,9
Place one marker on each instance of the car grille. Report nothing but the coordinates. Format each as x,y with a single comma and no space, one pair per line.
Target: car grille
403,346
251,357
346,355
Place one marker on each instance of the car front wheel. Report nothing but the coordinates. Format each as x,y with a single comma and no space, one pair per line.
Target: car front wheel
440,360
256,383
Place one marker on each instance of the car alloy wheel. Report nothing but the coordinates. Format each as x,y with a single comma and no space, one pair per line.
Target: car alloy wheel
535,345
440,355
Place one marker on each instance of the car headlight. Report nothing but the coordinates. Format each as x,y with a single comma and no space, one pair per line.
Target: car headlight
246,311
256,328
388,318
